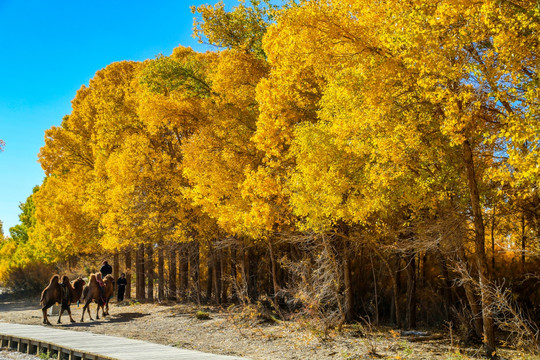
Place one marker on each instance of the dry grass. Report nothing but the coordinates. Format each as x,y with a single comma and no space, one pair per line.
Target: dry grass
235,331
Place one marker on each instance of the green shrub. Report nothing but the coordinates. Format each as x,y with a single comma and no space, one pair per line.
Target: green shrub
202,315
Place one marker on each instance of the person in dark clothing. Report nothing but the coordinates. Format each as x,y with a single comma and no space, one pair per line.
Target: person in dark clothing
122,282
106,269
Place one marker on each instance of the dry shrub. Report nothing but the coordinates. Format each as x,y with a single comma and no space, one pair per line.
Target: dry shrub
515,323
32,278
318,288
521,331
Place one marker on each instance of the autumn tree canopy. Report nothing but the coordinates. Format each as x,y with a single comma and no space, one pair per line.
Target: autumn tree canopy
319,134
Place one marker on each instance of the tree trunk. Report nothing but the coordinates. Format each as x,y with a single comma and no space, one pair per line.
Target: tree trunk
523,241
273,271
375,292
348,306
476,309
252,262
161,273
395,275
194,259
172,272
128,273
234,277
139,266
447,285
411,291
224,278
183,268
493,242
209,275
480,253
344,248
150,271
217,275
116,265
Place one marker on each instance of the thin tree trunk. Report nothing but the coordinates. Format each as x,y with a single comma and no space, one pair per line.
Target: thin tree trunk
116,265
172,272
394,278
447,285
523,241
234,278
273,271
480,253
396,289
217,275
476,309
348,306
161,273
209,275
139,290
411,291
344,249
150,271
252,260
194,259
128,272
493,241
375,290
224,278
183,268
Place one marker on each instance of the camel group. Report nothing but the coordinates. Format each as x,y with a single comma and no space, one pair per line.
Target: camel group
65,293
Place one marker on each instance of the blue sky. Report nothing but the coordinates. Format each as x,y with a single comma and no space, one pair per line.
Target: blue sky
48,49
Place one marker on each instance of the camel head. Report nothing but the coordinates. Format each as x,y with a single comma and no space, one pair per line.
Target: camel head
79,283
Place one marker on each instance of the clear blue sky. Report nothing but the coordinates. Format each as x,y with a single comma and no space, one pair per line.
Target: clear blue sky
48,49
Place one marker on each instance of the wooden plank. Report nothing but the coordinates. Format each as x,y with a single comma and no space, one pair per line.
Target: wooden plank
101,346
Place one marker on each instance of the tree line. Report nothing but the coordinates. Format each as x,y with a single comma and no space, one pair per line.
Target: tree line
342,159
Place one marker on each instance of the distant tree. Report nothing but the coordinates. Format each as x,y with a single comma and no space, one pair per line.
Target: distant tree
27,217
1,231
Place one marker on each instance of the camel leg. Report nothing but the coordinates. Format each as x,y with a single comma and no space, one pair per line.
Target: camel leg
97,311
45,318
60,316
70,317
86,308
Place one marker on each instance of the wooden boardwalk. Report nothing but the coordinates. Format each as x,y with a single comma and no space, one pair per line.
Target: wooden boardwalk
75,345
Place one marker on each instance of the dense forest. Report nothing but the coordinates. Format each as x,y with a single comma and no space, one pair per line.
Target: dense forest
347,161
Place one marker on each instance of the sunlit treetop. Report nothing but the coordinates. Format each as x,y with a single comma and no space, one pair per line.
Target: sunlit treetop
242,28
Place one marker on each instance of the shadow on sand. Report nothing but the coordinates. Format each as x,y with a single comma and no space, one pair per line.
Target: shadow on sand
18,302
116,318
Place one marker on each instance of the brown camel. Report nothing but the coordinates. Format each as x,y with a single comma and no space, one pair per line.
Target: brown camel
92,292
63,293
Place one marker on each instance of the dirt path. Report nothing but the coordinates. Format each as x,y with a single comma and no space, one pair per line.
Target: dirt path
231,332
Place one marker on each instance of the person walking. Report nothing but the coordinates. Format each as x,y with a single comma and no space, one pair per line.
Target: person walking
121,282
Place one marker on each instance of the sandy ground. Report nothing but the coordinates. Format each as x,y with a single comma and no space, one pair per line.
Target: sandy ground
232,331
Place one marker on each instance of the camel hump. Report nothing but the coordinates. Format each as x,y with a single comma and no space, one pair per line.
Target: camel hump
92,279
65,280
54,280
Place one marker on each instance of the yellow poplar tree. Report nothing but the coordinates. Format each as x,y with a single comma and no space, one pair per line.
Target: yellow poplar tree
220,152
71,202
421,71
